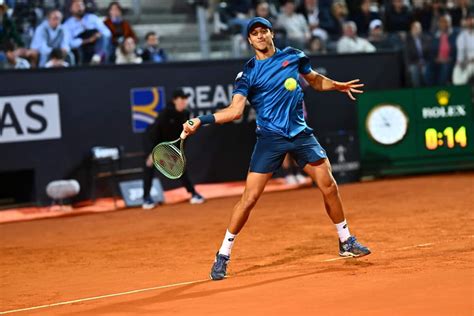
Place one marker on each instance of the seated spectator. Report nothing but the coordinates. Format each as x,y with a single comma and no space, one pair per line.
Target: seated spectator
119,27
397,17
56,59
310,10
90,7
438,8
8,31
332,21
443,53
460,12
316,46
417,50
351,43
151,52
363,16
295,25
50,35
90,38
126,53
378,38
464,71
12,60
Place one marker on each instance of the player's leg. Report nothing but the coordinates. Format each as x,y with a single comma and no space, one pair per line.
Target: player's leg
267,157
253,190
312,157
320,172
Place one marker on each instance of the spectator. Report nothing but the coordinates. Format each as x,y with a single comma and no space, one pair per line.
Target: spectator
90,38
295,25
239,12
119,27
50,35
332,22
8,31
316,46
126,53
310,10
464,70
363,16
438,8
379,38
151,52
460,12
417,53
168,125
351,43
12,59
397,17
56,59
262,9
443,53
423,12
9,34
90,7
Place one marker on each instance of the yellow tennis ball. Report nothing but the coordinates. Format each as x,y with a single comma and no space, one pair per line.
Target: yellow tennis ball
290,84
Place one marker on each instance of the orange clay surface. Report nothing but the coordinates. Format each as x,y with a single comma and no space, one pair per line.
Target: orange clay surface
420,230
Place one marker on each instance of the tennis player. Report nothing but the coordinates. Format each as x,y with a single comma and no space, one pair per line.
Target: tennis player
281,129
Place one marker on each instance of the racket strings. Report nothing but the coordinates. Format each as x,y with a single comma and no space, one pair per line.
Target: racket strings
169,160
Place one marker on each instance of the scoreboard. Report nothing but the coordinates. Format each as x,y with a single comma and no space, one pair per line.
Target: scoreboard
416,130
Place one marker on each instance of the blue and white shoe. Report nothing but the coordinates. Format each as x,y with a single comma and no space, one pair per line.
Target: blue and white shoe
197,199
352,248
219,268
148,204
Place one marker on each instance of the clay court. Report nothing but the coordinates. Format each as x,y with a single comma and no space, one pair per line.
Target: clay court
135,262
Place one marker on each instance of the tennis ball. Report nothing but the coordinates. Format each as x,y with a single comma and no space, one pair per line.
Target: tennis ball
290,84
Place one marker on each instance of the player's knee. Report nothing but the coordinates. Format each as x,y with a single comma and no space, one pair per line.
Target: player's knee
329,188
249,201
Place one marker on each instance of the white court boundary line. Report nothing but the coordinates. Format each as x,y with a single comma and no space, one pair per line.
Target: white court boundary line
162,287
101,297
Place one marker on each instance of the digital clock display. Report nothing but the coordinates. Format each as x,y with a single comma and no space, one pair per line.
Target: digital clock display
416,130
448,137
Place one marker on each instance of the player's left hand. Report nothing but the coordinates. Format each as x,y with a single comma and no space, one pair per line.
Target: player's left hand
349,87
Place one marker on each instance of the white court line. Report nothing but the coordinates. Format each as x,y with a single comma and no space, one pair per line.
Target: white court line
417,246
158,287
100,297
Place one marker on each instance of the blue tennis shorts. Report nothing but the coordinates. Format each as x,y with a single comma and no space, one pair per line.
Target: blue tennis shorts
270,150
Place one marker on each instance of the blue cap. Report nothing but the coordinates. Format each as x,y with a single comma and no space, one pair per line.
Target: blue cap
258,20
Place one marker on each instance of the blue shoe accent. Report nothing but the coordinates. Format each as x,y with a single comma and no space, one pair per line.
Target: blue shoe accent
219,268
352,248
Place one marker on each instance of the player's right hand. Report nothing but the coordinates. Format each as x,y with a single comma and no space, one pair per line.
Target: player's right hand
191,126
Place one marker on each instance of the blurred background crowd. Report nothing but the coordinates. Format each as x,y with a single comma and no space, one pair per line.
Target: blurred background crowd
435,37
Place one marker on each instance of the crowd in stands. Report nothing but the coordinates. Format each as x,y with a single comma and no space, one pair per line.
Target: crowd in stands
435,36
54,33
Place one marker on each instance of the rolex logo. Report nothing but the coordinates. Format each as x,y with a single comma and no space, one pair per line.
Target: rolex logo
443,97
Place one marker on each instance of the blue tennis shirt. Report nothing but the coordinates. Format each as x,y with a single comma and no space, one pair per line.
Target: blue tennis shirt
279,110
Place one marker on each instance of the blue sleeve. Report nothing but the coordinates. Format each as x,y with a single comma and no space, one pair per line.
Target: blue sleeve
242,84
304,65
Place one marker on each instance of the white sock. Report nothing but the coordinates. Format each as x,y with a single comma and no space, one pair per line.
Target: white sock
343,231
227,244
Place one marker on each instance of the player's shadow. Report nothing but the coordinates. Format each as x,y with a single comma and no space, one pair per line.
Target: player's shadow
142,305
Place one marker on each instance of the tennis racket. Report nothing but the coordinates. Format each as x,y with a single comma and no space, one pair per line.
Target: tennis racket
169,159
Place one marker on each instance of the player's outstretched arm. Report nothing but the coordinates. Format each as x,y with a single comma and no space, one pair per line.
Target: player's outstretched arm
233,112
322,83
